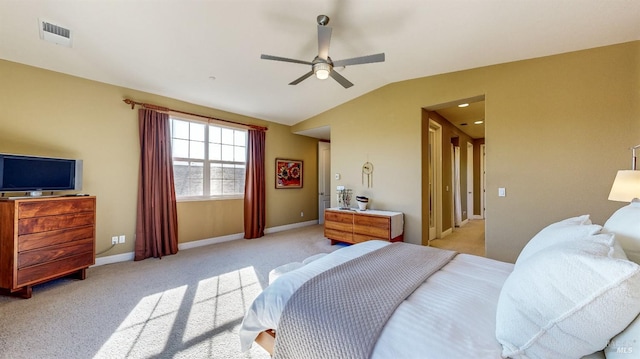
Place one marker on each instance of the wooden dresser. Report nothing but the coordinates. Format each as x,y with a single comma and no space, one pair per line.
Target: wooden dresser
45,238
354,226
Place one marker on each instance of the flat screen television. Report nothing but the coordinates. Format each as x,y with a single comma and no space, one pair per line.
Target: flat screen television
20,173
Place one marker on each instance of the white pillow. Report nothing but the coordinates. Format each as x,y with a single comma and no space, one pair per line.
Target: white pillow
565,230
567,300
626,344
625,223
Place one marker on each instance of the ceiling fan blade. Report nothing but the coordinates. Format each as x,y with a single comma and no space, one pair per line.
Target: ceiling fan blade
301,78
278,58
360,60
324,39
341,80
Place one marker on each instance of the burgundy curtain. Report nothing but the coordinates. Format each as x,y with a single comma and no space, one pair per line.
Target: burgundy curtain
254,188
157,221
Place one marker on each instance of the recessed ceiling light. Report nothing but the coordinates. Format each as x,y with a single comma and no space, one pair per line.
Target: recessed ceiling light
479,122
463,105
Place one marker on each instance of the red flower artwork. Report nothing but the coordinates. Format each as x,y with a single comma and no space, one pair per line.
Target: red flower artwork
288,173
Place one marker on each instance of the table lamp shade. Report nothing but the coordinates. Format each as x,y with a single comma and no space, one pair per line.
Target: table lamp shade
626,186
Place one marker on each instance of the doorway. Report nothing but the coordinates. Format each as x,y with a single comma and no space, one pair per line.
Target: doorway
324,178
461,192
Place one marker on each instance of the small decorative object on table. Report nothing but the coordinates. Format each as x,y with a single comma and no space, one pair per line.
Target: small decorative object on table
344,198
362,202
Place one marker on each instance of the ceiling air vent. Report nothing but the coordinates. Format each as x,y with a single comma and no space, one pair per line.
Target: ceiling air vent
55,33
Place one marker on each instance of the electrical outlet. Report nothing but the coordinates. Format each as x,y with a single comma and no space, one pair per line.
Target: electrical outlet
121,239
114,240
301,214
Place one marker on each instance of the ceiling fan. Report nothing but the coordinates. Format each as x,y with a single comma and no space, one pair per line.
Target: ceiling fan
322,65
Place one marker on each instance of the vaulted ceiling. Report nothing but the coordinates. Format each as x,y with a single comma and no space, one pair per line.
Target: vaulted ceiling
208,52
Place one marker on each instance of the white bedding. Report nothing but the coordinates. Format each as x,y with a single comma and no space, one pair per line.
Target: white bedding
451,315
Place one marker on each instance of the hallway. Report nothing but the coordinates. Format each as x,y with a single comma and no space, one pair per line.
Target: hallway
466,239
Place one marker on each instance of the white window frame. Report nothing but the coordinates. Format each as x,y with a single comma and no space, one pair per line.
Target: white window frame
206,162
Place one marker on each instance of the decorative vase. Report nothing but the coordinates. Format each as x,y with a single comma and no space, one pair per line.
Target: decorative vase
362,202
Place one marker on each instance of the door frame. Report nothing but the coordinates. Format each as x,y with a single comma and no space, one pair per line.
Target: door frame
470,192
435,229
324,179
483,181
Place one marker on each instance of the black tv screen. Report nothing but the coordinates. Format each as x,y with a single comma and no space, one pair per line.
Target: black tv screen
31,173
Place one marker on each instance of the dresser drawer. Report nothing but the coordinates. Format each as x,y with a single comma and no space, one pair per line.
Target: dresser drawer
53,253
338,235
30,209
52,223
359,237
338,226
44,239
40,273
346,218
376,227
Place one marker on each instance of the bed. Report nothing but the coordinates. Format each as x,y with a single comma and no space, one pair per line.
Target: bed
573,292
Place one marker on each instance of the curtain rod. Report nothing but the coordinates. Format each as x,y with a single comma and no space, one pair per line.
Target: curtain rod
165,109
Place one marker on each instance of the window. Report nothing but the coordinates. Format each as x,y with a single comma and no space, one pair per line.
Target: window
208,161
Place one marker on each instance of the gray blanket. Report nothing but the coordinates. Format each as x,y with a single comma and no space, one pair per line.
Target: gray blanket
340,313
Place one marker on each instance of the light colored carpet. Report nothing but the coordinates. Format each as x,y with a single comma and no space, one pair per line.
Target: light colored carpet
466,239
189,305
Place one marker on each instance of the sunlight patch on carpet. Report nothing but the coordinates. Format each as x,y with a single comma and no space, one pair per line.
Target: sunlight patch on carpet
186,321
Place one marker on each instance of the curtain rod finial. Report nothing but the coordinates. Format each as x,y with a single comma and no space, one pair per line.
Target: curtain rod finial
129,102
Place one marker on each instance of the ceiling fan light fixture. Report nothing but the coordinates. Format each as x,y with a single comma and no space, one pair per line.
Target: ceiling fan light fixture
322,66
322,70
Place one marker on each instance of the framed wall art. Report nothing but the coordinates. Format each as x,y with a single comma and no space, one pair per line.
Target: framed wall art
288,173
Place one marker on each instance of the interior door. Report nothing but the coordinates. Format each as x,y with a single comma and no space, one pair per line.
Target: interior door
433,181
324,179
469,181
483,181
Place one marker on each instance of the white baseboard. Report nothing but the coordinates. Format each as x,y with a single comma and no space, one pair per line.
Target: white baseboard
446,232
290,226
208,241
124,257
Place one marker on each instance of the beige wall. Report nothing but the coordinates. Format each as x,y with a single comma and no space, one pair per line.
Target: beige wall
51,114
557,130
